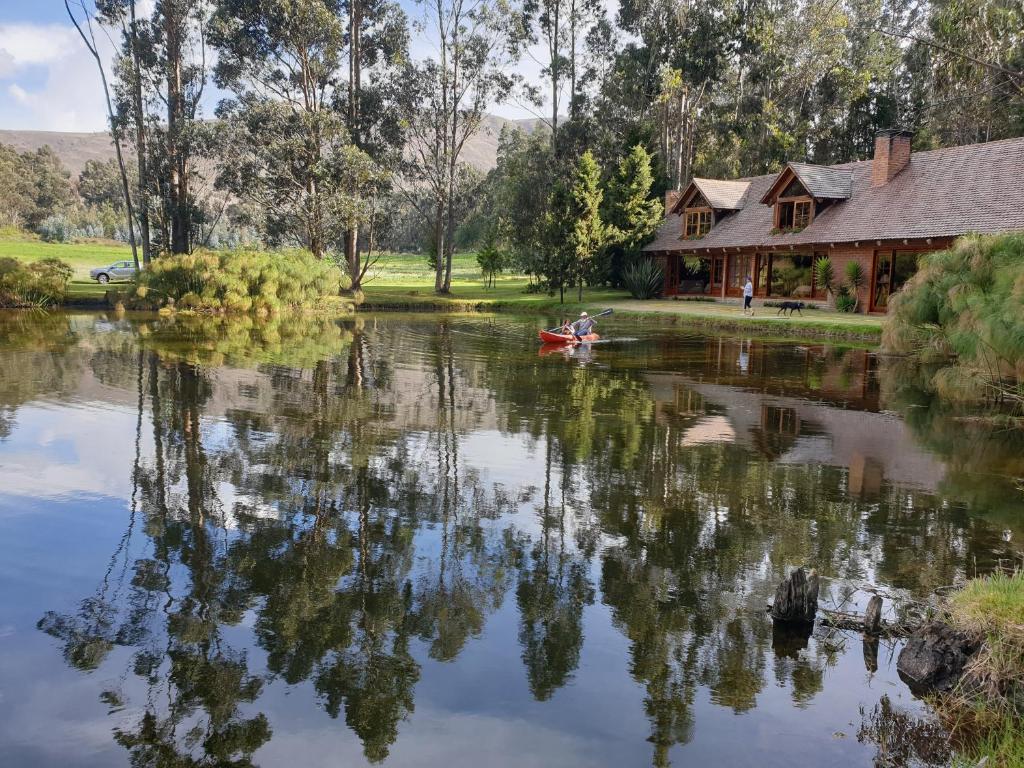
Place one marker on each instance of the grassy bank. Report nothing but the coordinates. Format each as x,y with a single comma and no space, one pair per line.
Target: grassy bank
987,708
81,257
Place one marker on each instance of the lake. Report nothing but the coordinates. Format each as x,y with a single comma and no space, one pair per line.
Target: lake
422,541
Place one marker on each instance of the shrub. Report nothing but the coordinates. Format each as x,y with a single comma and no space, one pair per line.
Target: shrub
56,229
240,281
644,279
38,284
845,301
965,310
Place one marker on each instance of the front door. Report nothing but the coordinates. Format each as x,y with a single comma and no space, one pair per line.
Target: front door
761,274
892,270
717,274
672,275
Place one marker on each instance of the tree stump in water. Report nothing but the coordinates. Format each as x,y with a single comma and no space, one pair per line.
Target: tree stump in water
796,599
873,616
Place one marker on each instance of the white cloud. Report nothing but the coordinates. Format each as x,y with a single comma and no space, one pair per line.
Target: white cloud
54,84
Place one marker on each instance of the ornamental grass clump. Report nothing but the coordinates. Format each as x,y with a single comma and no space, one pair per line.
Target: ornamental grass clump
964,309
643,279
239,281
38,284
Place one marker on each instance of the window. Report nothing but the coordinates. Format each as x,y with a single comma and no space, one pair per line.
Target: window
793,213
801,214
892,270
697,223
791,274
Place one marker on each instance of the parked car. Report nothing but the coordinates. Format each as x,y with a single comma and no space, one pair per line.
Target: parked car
119,270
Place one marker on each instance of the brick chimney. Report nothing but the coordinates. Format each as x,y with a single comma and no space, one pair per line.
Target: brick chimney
892,153
671,198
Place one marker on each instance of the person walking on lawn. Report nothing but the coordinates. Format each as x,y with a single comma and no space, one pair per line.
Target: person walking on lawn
748,296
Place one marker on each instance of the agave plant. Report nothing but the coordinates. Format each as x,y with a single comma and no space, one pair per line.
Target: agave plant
643,279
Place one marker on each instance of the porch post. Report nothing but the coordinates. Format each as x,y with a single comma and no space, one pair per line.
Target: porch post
725,273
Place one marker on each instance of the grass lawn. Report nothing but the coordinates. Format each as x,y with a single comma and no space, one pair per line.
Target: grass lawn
405,281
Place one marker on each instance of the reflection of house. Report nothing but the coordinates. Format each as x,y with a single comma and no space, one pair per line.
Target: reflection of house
841,376
881,213
873,447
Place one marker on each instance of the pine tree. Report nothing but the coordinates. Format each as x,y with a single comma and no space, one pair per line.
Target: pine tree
633,215
588,231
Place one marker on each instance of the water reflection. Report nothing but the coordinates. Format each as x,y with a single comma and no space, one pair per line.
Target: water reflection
323,509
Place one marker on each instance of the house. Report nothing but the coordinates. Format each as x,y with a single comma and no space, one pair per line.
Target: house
883,213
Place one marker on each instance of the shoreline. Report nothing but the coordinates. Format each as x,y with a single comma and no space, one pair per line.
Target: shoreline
715,317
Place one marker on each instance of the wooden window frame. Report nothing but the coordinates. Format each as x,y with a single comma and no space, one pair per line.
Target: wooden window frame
699,217
798,200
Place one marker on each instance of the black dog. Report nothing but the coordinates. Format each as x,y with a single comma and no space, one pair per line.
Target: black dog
792,306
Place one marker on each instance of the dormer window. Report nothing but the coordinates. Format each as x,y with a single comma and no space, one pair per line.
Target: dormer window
801,190
697,222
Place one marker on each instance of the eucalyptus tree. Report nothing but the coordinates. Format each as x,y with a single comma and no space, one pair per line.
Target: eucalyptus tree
377,37
286,146
475,45
560,29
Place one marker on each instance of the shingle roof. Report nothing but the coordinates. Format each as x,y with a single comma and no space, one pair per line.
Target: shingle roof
823,181
723,195
942,193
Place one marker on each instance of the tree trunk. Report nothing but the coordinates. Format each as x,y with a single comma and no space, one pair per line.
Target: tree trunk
796,599
354,87
554,74
873,615
572,60
439,245
175,118
449,244
90,44
141,142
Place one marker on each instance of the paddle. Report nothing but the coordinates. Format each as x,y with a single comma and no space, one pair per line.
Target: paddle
600,314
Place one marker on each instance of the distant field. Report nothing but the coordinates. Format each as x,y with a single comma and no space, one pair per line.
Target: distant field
80,256
406,279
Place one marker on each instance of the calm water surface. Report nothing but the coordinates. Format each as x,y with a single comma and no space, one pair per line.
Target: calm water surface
414,541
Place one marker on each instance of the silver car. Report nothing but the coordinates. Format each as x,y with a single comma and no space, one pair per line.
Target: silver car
119,270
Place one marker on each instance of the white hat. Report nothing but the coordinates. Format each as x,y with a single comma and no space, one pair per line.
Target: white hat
583,314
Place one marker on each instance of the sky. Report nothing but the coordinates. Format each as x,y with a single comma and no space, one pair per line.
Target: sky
49,82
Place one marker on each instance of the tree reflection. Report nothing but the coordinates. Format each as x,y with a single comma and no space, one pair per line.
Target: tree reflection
311,480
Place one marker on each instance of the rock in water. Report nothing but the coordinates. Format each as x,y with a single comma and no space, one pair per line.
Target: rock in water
796,599
873,615
934,657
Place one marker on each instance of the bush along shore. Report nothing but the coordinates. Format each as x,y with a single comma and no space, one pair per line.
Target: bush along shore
964,654
248,281
963,312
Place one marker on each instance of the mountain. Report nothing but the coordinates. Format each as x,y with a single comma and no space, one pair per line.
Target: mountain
74,149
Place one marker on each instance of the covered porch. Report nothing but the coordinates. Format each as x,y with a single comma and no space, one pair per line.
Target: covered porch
783,275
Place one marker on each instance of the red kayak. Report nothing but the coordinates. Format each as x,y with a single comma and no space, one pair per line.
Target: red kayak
565,338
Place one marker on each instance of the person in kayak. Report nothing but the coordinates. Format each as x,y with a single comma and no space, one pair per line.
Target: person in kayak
566,328
583,326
